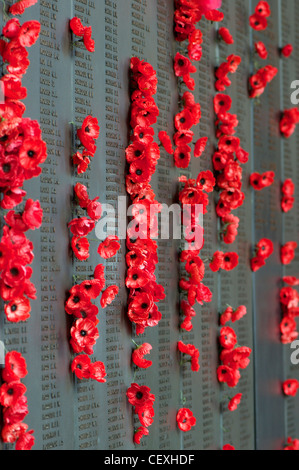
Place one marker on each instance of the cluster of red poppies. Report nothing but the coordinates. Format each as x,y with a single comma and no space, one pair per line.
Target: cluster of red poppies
141,398
259,81
84,332
263,250
233,359
87,135
227,162
22,151
83,32
292,444
258,20
230,66
142,156
14,402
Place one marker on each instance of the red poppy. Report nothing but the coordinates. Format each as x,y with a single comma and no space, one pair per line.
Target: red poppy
166,142
222,103
80,248
19,7
225,34
11,392
261,181
226,316
261,50
230,261
287,50
287,253
228,447
235,402
84,334
200,147
140,396
15,367
292,444
185,419
264,248
287,203
98,372
109,295
109,247
239,313
257,263
33,214
81,226
138,356
183,66
139,434
228,375
29,33
82,161
217,261
18,310
228,338
288,188
17,413
290,387
291,280
206,181
193,352
77,26
258,22
182,156
32,153
89,132
89,43
25,441
11,433
81,366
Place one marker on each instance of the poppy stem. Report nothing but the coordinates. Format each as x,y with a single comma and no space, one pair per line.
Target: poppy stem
137,346
5,14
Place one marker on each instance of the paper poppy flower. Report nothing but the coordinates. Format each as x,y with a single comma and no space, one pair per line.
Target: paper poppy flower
217,261
18,8
81,366
89,132
228,447
25,441
138,356
15,367
139,434
264,248
185,419
18,310
228,338
228,375
109,247
98,372
235,402
261,50
140,396
11,392
109,295
81,226
287,50
287,252
166,142
230,261
84,334
225,35
80,248
290,387
222,103
261,181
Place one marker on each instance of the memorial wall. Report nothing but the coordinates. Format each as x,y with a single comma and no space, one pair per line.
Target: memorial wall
65,83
